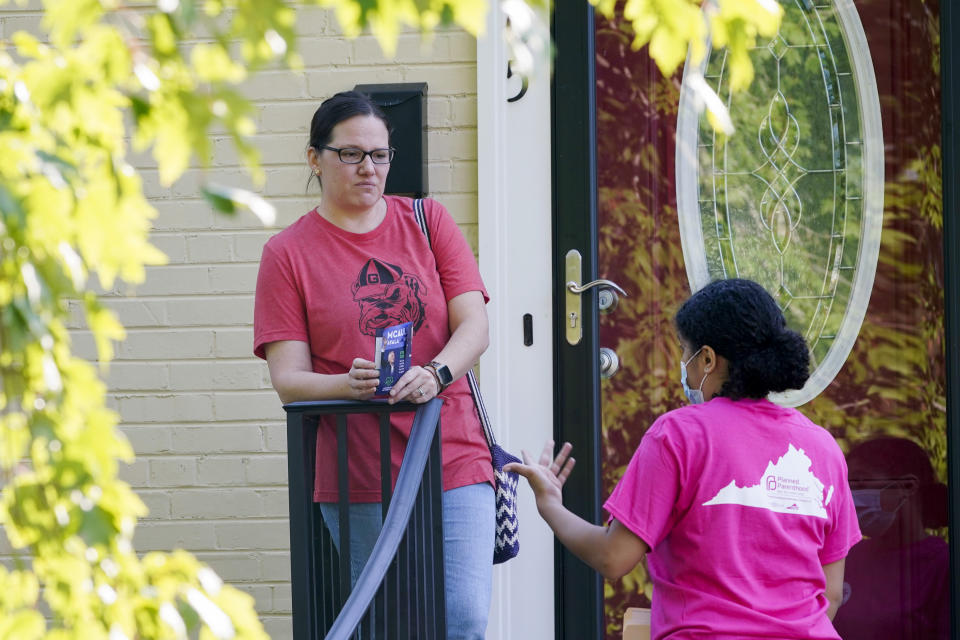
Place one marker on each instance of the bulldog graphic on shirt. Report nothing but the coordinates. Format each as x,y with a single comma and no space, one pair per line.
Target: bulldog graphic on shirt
387,296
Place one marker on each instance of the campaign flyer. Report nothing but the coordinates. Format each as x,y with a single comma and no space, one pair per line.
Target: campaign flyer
392,354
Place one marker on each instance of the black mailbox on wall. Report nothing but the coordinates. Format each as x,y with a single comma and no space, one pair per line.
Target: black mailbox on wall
405,106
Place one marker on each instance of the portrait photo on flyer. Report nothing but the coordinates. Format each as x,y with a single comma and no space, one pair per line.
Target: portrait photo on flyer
392,354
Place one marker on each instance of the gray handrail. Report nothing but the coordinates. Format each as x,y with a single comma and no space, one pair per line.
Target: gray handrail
400,590
394,525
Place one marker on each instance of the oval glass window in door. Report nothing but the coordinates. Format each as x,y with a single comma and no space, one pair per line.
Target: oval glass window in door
794,198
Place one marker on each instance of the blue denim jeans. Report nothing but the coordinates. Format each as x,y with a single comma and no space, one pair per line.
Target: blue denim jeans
468,529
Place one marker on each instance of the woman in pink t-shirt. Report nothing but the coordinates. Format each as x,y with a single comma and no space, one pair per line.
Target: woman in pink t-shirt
358,262
740,507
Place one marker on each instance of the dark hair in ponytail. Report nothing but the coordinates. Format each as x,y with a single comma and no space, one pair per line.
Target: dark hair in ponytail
743,323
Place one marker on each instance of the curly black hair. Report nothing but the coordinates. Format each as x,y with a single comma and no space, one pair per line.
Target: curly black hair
743,323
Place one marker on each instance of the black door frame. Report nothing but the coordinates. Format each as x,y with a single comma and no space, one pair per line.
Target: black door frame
950,96
579,590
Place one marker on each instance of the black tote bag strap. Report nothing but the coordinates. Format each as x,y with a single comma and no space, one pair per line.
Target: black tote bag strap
421,219
481,408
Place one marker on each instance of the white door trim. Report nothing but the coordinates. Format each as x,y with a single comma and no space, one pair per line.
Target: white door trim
515,245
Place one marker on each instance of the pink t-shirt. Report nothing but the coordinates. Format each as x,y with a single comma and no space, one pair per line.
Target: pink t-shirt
332,289
741,504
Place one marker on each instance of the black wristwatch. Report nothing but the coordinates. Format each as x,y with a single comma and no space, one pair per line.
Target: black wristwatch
444,377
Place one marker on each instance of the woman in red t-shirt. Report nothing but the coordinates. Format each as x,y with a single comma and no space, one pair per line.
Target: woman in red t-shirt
357,263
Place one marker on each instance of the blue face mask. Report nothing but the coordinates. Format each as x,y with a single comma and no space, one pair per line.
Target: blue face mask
694,396
873,519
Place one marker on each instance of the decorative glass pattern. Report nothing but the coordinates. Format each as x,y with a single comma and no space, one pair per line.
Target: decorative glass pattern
794,199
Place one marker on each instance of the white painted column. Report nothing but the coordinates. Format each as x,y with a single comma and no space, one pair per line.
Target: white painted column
515,212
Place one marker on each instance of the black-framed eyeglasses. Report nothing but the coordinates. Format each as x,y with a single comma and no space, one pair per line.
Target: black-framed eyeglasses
352,155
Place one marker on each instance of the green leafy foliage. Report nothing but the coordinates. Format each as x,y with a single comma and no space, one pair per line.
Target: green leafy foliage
229,199
72,209
387,17
672,27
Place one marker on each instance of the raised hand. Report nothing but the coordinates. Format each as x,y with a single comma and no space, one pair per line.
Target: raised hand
547,476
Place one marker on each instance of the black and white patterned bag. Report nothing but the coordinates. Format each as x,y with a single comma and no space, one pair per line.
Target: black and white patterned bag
507,540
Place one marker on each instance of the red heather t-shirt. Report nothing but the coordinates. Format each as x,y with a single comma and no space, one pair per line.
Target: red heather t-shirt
741,503
332,289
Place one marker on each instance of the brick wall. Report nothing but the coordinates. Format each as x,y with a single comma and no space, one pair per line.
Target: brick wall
198,408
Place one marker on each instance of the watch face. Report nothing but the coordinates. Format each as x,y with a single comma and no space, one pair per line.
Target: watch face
444,372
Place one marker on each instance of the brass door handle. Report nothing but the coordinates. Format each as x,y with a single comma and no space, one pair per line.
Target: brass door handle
573,307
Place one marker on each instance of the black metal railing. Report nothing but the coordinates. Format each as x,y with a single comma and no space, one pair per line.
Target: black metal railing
400,591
